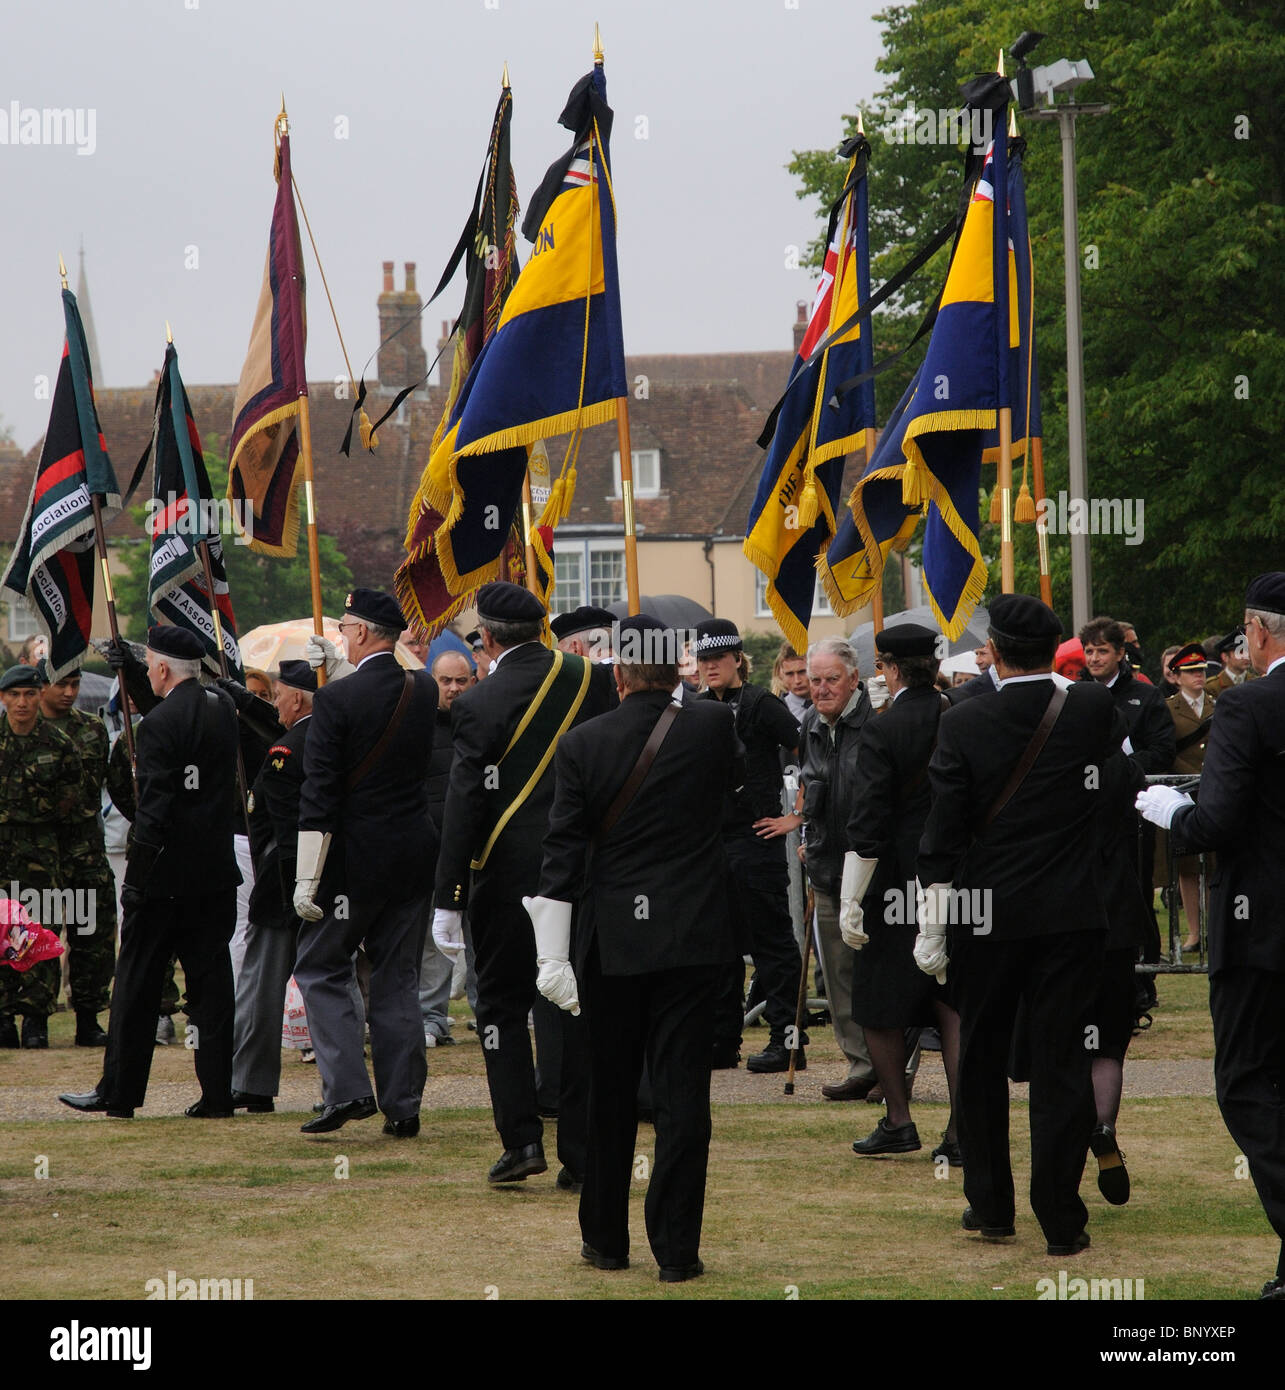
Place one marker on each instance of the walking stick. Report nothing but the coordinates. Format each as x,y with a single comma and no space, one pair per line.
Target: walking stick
802,1004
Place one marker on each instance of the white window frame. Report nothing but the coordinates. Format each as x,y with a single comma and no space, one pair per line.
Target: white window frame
21,623
646,466
584,548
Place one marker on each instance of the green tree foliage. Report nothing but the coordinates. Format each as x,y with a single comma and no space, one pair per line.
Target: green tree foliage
1181,191
264,589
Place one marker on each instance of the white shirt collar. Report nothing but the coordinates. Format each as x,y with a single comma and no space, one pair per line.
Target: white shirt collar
506,651
1020,680
373,656
1195,701
1274,665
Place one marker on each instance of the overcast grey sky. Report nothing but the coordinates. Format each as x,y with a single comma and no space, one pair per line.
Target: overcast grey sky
182,96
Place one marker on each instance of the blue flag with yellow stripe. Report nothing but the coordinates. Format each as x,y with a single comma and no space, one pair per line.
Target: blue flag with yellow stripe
794,513
555,364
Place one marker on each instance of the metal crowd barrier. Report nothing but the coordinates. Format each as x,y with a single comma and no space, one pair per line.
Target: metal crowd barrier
1173,960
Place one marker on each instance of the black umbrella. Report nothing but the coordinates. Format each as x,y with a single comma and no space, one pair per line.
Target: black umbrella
972,637
674,610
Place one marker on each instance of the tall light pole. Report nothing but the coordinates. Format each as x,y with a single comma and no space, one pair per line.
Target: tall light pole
1046,82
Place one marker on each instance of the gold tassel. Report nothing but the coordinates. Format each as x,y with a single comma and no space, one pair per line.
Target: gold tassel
809,505
369,440
1024,511
913,490
997,507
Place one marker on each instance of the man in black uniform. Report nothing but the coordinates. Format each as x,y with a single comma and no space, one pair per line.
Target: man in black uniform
364,839
759,881
652,933
1009,862
179,895
1241,814
496,818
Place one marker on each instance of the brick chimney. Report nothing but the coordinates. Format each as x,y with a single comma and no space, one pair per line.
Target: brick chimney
446,362
800,324
402,360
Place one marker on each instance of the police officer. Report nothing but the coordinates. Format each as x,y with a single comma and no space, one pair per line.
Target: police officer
83,862
364,841
496,818
180,885
43,780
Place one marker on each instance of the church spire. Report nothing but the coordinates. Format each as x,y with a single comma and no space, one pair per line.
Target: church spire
87,320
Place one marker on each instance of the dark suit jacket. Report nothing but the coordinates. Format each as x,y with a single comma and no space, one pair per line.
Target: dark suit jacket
653,892
274,828
1241,814
891,794
384,839
483,720
1041,856
187,797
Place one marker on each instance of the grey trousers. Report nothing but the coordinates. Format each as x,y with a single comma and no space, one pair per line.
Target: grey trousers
836,966
260,1000
435,971
390,930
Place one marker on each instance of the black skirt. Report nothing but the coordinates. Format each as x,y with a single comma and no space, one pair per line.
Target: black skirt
888,989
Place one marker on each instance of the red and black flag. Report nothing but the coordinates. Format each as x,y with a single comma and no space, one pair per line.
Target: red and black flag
263,454
52,567
182,516
492,260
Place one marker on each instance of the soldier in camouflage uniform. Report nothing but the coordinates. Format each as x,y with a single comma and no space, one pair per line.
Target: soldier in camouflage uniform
83,862
41,774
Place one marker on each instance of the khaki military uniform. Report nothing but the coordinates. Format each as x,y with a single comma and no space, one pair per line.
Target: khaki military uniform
1188,760
85,868
42,777
1223,681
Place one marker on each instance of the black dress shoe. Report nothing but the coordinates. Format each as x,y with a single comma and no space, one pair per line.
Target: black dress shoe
252,1104
203,1110
949,1150
1081,1242
336,1116
1113,1176
1273,1290
601,1261
678,1274
90,1101
776,1057
568,1182
88,1033
889,1139
516,1164
8,1032
35,1032
402,1129
854,1088
970,1221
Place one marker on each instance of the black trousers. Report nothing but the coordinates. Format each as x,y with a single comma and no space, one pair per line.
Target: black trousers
1248,1008
759,894
665,1019
504,959
1056,977
196,930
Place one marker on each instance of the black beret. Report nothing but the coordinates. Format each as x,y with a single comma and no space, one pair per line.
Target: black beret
298,675
177,642
641,640
582,619
1267,592
22,678
714,636
1189,658
1232,640
373,606
1022,618
508,603
907,639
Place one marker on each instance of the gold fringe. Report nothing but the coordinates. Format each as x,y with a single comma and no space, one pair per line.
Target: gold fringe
765,560
1024,510
289,546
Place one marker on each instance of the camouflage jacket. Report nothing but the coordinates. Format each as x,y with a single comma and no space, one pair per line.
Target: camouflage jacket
43,776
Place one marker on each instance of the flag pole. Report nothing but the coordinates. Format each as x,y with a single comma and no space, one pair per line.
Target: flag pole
527,523
100,544
305,426
1041,524
876,601
626,451
1005,479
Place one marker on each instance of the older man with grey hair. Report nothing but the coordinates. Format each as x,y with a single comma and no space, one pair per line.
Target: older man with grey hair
828,747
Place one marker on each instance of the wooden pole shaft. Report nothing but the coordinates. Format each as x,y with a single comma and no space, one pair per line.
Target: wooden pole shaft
1041,526
310,521
527,521
1006,499
627,494
100,542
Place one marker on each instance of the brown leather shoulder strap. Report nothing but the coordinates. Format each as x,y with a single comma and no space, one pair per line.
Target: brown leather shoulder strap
377,752
1027,761
641,768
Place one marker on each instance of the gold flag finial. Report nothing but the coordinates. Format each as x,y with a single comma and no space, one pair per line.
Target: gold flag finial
999,68
169,335
62,270
598,54
861,125
504,77
1012,122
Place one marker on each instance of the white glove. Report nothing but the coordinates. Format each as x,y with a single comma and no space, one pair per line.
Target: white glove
930,944
310,860
555,980
857,873
320,651
1127,745
448,931
1159,804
